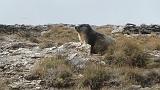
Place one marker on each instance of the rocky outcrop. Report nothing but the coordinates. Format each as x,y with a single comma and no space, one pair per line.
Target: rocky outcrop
142,29
36,30
74,53
17,58
25,30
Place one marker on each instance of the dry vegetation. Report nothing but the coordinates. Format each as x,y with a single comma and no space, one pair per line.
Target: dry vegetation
59,35
106,31
3,84
153,43
55,35
95,76
57,73
127,51
127,63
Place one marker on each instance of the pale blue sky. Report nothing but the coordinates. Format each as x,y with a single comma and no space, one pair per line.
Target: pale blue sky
97,12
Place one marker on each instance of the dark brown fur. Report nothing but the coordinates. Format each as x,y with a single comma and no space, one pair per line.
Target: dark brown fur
99,42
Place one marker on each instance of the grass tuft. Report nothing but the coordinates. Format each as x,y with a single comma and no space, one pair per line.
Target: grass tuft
55,72
95,77
127,51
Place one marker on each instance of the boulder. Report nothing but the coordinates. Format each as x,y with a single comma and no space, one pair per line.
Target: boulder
77,55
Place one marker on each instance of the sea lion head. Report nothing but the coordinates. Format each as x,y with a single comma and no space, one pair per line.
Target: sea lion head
83,28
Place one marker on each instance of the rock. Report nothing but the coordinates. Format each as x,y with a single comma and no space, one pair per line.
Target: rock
77,55
4,53
146,88
117,29
31,77
27,29
29,85
36,55
142,29
2,66
14,46
134,87
14,87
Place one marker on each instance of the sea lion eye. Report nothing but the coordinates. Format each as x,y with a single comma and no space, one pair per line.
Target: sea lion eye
76,27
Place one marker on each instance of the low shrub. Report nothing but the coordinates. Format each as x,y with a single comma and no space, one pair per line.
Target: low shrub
55,72
95,77
3,84
60,35
152,43
147,80
127,51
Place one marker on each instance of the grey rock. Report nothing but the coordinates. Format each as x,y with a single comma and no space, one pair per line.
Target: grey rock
27,29
117,29
77,55
134,87
142,29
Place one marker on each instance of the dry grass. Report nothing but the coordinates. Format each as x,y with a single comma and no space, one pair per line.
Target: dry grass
58,35
47,44
55,72
106,31
3,84
153,43
61,35
49,63
34,39
127,51
145,80
95,77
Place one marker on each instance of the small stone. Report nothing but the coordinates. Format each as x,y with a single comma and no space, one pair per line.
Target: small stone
37,88
31,77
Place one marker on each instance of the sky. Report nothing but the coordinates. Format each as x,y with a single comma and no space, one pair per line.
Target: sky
97,12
